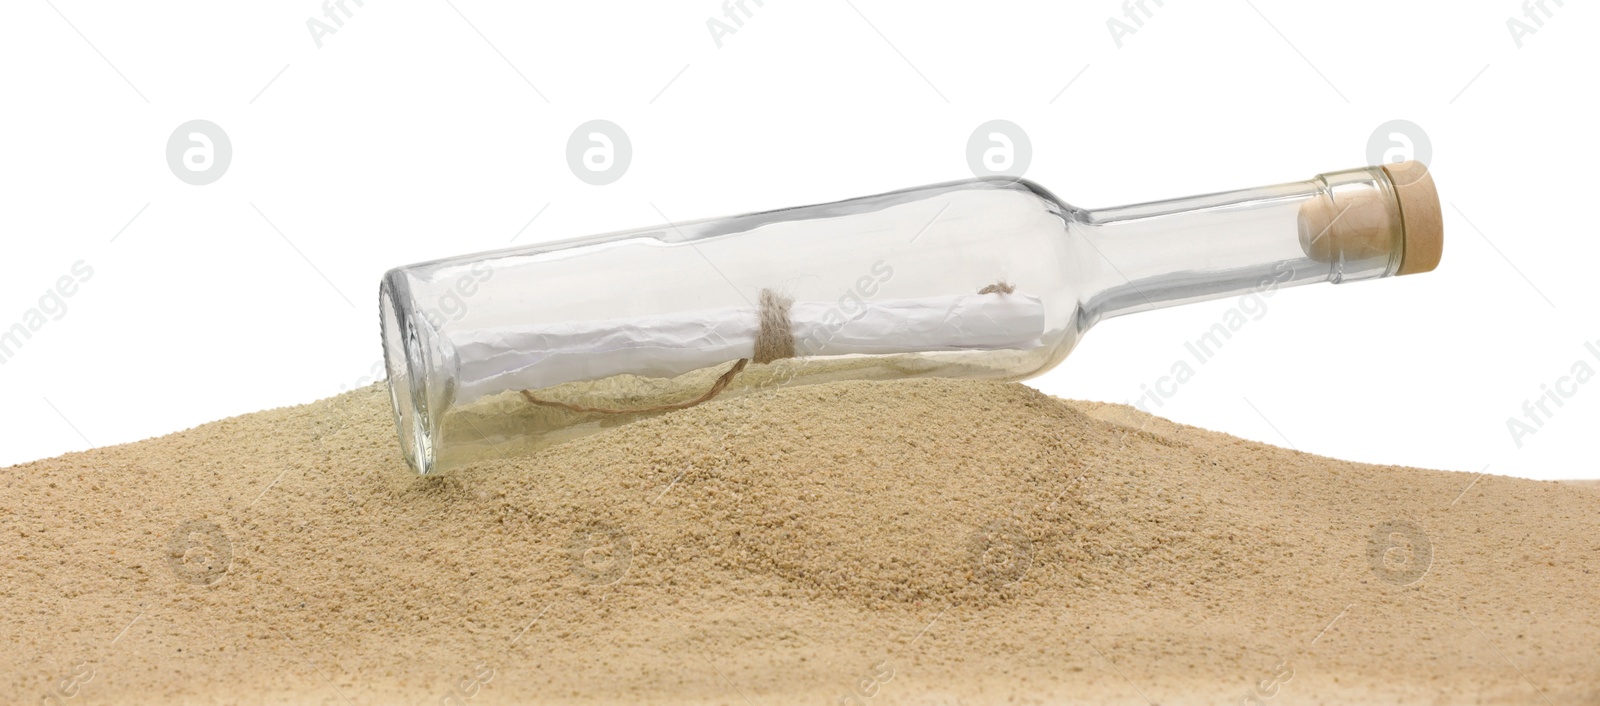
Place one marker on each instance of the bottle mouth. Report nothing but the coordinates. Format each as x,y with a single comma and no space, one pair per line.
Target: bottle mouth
1374,214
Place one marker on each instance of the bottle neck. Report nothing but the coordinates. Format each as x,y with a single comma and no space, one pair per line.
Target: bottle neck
1338,227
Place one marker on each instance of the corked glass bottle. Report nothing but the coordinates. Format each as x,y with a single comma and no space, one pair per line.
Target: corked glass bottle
497,354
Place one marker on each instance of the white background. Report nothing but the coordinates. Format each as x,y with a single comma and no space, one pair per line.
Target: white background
418,130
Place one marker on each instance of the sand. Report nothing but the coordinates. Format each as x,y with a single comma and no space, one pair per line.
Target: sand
919,542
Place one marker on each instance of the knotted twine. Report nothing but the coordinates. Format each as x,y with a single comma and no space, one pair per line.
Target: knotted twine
774,341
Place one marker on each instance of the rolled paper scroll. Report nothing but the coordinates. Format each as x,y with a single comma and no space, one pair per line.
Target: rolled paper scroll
500,359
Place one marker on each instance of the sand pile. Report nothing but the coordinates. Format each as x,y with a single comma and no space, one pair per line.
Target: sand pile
928,542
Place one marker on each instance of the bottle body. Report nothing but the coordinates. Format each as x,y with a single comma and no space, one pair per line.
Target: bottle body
498,354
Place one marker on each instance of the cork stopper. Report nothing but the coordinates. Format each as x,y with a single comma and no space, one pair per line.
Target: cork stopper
1421,220
1356,227
1364,224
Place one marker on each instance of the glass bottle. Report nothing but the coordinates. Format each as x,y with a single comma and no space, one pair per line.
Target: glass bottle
498,354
